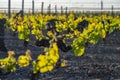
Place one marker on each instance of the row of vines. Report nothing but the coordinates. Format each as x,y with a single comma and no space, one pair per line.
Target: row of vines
98,28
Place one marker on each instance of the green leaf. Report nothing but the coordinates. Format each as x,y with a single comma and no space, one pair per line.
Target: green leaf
103,33
79,51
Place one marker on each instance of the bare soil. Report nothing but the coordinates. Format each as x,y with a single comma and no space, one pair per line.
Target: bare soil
100,62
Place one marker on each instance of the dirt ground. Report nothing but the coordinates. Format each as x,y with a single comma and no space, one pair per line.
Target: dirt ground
100,62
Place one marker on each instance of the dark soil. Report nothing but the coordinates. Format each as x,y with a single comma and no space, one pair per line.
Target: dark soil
100,62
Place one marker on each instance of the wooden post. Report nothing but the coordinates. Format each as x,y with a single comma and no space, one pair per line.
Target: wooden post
112,10
101,9
22,8
33,7
61,10
49,9
9,8
29,11
13,11
4,11
101,6
66,11
55,9
42,7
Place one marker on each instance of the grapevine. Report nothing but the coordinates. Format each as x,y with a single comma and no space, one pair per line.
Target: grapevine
97,29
